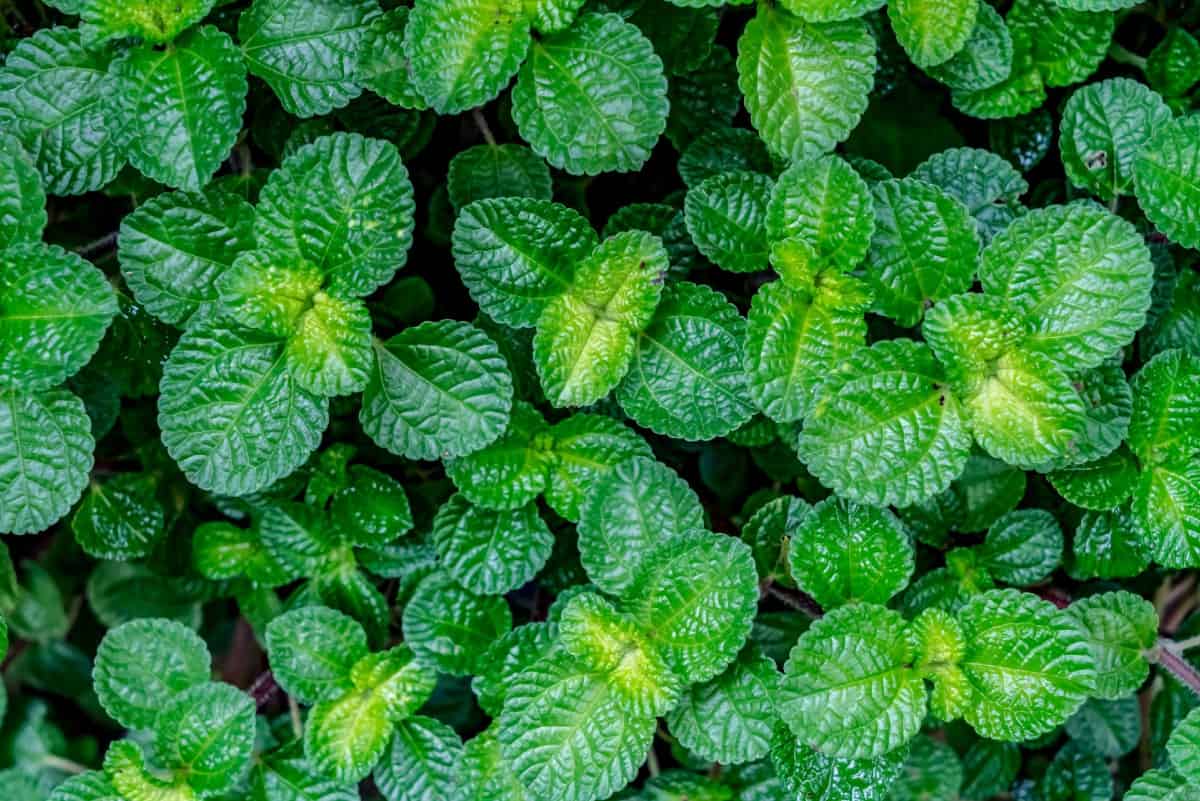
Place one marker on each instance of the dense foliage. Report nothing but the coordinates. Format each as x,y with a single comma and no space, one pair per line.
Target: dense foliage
555,400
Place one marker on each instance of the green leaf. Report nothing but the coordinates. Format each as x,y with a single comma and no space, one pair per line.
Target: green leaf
984,61
933,772
125,766
490,552
843,552
462,53
587,447
1104,127
883,430
345,204
513,470
682,37
1108,404
848,688
989,768
486,171
1099,485
119,519
155,21
297,535
1028,665
1166,512
687,380
969,333
1076,774
56,98
188,102
383,66
1108,728
1184,747
231,415
1023,547
268,291
206,733
120,592
1162,785
287,775
175,246
313,650
1019,93
1108,545
984,182
23,200
831,10
142,665
508,656
54,310
704,99
395,678
627,514
307,50
924,248
567,734
932,31
1066,45
563,99
89,786
484,774
825,203
1165,421
330,352
1122,628
45,456
439,390
517,254
221,550
372,510
729,718
420,763
805,85
726,217
721,150
586,336
808,773
696,594
1173,66
450,628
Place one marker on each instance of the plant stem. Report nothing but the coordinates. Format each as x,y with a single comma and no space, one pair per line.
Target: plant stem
801,603
297,724
1173,662
652,762
63,764
481,123
1187,645
103,243
1122,56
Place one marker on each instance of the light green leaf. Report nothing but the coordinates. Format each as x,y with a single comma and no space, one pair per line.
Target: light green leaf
345,737
1028,665
345,204
307,50
206,733
188,101
221,551
696,594
330,351
932,31
627,514
45,456
517,254
483,774
56,98
986,184
848,688
155,21
397,679
439,390
420,763
372,510
312,651
1104,127
125,766
1108,728
143,664
490,552
843,552
1099,485
1165,421
883,430
825,203
729,718
810,774
969,333
486,171
231,415
1122,628
587,447
567,734
1023,547
268,291
462,53
1184,747
54,310
831,10
563,101
687,379
383,66
89,786
805,84
509,655
22,198
175,246
726,216
984,61
119,519
1066,45
924,248
586,336
450,628
513,470
1166,511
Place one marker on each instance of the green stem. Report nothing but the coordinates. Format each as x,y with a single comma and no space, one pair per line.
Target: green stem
1186,645
297,724
652,762
481,123
1122,56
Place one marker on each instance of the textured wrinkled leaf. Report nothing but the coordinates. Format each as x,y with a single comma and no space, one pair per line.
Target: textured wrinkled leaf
769,532
805,85
488,551
986,184
483,774
726,217
345,204
221,550
1027,664
462,53
119,519
1162,785
932,31
1099,485
721,150
824,202
509,655
372,510
307,50
420,763
703,100
1184,747
1165,180
1165,422
89,786
156,21
810,774
45,456
142,665
22,198
1066,46
174,247
330,351
451,628
1108,545
1166,510
1173,66
438,390
1023,547
593,98
513,470
831,10
984,60
125,766
848,688
687,379
55,97
1021,92
287,775
933,772
1076,774
486,171
1108,404
1121,628
268,291
586,336
587,447
313,650
883,431
188,101
54,310
1109,728
207,733
969,333
923,250
516,255
383,66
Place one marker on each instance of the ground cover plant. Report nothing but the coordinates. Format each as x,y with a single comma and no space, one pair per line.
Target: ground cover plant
557,400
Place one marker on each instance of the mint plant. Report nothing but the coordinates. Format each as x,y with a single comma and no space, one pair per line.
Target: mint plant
563,400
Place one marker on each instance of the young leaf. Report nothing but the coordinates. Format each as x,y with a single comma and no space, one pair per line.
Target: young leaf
142,665
828,205
1023,547
125,767
450,628
483,774
206,733
1122,629
587,447
490,552
421,761
155,21
726,216
932,31
513,470
313,650
330,352
286,775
